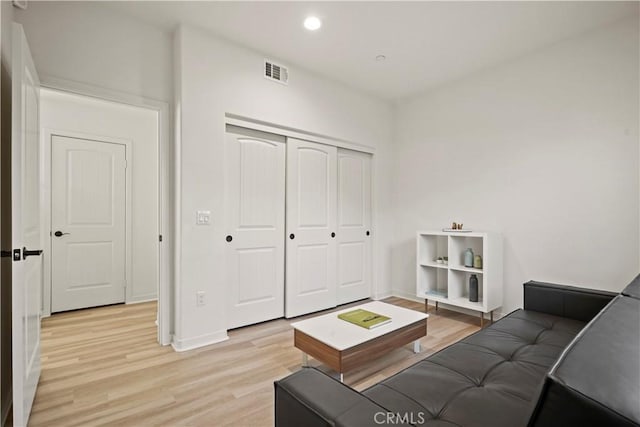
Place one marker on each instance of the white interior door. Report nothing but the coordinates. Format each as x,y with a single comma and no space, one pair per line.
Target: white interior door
311,227
354,226
88,220
25,228
255,203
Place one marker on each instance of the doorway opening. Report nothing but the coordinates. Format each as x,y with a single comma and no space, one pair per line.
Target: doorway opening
102,203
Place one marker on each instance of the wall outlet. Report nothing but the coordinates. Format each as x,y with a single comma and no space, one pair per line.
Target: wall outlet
200,298
203,217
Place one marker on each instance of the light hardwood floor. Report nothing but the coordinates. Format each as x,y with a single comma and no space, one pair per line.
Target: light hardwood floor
103,366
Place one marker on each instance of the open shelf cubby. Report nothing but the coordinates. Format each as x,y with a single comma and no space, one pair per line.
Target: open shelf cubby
449,283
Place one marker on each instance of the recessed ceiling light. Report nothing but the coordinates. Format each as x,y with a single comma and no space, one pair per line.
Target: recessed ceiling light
312,23
380,58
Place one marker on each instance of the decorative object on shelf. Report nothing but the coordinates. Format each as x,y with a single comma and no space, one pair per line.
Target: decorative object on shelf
468,258
456,227
473,288
477,261
439,260
445,259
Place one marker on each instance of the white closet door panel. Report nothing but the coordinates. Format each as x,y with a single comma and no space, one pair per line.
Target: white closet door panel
354,226
311,222
255,203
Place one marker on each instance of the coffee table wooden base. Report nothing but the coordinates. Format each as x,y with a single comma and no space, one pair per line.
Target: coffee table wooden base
345,360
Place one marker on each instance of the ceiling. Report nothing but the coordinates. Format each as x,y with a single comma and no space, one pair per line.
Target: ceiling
426,43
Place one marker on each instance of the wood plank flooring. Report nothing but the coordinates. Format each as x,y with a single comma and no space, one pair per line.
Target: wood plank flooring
103,366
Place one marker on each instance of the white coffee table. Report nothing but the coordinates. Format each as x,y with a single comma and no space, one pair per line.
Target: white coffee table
343,346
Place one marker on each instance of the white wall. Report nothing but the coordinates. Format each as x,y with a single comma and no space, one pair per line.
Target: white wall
215,78
96,118
544,150
87,42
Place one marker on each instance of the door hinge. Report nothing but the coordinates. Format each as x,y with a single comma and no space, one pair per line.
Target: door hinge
160,238
126,163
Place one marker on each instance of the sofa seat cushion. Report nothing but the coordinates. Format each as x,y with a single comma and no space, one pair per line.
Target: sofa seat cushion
487,379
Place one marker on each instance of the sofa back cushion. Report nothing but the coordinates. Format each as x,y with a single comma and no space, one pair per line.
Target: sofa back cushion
633,289
565,301
596,381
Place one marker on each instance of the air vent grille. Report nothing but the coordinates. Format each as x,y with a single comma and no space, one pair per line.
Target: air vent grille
21,4
276,72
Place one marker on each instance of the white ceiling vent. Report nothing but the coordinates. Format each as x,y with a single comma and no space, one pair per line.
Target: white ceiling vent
276,72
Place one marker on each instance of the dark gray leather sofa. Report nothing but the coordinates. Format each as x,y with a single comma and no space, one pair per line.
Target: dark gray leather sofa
571,357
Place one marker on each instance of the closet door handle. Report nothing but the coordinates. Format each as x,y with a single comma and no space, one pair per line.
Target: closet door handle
229,238
292,236
59,233
368,232
333,235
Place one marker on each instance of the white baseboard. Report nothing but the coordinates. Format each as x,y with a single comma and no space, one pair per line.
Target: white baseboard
144,298
6,406
186,344
406,295
413,297
378,297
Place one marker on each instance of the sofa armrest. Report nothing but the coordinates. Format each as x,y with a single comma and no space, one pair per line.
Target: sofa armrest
311,398
565,301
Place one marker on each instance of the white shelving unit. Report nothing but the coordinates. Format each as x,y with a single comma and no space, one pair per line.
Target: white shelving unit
449,284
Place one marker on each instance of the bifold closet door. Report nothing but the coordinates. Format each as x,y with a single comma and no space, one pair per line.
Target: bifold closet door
311,227
255,204
354,226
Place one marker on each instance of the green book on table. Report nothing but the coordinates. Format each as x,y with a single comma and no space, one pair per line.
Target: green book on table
364,318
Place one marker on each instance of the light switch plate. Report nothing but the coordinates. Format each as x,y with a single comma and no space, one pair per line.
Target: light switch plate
203,217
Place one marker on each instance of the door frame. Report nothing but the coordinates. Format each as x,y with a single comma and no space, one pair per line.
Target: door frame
47,210
166,260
